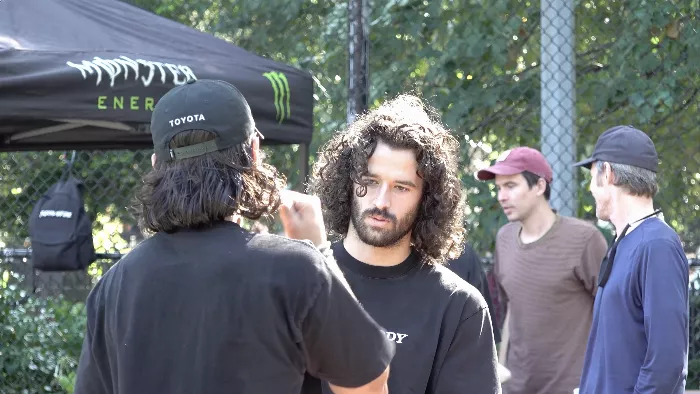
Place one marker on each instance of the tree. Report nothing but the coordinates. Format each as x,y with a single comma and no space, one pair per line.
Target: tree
479,66
477,63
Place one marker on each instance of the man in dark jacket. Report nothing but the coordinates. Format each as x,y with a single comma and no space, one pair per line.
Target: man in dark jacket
469,267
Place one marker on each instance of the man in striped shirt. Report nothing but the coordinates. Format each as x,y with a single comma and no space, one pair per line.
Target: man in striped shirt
546,266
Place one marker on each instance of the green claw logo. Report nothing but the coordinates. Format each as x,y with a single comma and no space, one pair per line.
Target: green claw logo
282,94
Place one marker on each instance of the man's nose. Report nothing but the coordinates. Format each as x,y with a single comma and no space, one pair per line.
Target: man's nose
502,196
383,198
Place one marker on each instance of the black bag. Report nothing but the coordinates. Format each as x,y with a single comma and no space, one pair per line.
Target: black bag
59,228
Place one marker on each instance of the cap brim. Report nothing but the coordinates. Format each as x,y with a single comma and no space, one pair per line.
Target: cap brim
497,169
585,163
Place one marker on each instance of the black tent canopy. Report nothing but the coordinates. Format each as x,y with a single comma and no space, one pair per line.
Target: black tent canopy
85,74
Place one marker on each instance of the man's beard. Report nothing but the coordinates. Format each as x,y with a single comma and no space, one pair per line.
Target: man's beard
602,206
602,210
380,238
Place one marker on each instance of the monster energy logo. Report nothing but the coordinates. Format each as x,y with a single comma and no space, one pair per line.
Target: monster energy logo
282,94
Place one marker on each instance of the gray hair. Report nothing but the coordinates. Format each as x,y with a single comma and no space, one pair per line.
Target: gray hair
635,180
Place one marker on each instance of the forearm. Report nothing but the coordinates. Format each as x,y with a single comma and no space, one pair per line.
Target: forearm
664,372
377,386
663,284
666,329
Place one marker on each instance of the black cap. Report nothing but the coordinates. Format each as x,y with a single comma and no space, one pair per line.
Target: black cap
204,104
624,145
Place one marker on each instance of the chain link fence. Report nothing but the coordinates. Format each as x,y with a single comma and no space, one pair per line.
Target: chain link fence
596,64
42,316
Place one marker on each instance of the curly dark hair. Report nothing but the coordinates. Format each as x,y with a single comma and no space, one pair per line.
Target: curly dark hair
198,191
404,122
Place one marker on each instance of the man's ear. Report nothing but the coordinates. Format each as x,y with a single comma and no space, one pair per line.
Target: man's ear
153,160
608,175
541,186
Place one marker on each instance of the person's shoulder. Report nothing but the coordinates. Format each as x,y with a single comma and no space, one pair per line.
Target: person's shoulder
660,246
656,228
448,279
276,243
283,250
293,258
465,264
582,233
508,231
297,264
577,225
137,259
658,234
147,249
453,288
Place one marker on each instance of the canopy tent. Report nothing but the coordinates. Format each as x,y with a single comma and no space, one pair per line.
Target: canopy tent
85,74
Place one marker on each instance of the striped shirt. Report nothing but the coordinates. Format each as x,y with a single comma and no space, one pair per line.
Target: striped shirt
549,286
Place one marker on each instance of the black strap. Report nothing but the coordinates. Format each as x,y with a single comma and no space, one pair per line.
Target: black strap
606,266
193,150
69,167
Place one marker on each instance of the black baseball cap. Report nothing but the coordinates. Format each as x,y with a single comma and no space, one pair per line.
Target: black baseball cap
624,145
203,104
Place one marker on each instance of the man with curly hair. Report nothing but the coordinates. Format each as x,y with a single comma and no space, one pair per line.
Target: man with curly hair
390,192
203,306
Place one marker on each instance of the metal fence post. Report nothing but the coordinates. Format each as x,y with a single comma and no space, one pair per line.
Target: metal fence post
558,97
358,58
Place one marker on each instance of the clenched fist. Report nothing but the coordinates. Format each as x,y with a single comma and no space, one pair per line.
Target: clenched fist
302,217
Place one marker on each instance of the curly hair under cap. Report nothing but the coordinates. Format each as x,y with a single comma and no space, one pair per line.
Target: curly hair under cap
403,123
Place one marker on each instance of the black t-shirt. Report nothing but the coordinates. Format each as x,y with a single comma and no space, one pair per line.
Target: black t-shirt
223,311
439,322
468,267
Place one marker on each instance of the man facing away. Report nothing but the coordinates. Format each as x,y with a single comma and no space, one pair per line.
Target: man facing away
203,306
468,266
546,266
389,189
639,338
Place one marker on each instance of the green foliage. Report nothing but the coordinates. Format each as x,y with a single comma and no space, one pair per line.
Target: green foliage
476,62
41,340
693,382
478,65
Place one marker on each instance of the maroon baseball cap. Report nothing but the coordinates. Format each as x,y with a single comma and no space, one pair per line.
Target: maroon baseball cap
516,161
